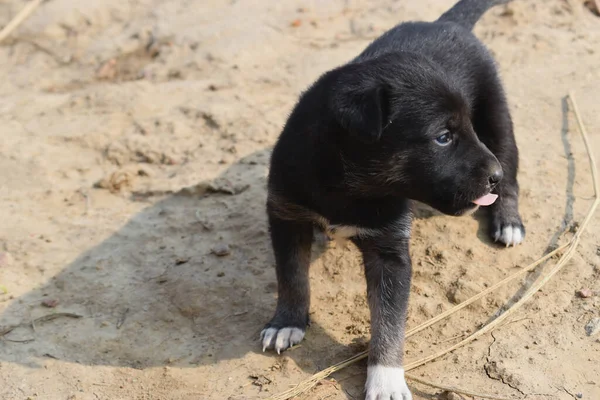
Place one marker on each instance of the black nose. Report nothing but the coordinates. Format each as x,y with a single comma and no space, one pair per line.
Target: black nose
495,176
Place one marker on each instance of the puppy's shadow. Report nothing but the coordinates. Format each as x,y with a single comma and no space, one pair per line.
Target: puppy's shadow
188,281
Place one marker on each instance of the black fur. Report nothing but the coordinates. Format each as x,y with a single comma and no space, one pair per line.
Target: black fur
467,12
366,138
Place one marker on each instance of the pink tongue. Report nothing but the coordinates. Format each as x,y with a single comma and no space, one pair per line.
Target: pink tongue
486,200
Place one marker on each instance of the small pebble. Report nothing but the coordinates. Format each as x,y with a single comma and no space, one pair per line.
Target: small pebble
50,303
585,293
592,327
221,250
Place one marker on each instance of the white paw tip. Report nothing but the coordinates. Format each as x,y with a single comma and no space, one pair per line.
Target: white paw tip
386,383
281,339
510,235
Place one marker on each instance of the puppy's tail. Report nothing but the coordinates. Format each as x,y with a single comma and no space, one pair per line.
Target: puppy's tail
467,12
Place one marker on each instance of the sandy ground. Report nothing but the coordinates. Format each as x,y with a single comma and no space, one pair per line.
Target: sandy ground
135,137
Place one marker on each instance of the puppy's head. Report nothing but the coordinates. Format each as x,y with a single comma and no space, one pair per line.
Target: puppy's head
404,129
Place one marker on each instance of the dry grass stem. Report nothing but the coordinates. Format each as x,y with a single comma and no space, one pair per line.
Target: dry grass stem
454,389
19,18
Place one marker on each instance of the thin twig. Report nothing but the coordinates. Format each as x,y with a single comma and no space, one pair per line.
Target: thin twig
19,341
19,18
86,196
451,339
121,320
44,318
565,257
50,317
455,389
7,330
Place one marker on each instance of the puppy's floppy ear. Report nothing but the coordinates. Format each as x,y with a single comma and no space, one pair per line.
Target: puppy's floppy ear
361,108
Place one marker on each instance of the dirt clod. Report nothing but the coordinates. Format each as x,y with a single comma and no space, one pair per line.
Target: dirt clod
50,303
226,186
108,70
585,293
592,327
206,223
221,250
181,260
116,182
261,381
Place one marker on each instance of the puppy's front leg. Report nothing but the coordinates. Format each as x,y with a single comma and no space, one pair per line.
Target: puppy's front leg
494,126
292,245
388,274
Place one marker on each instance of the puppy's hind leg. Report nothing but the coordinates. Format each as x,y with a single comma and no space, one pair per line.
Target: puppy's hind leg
493,125
292,244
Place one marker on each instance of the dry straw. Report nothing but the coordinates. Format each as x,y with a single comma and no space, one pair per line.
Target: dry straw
568,248
19,18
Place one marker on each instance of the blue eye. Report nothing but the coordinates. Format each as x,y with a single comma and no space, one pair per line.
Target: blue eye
444,140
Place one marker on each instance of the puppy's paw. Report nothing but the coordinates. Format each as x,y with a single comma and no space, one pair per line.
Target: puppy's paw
510,235
281,338
386,383
506,226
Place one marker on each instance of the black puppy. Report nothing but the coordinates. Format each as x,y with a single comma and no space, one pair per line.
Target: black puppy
419,115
